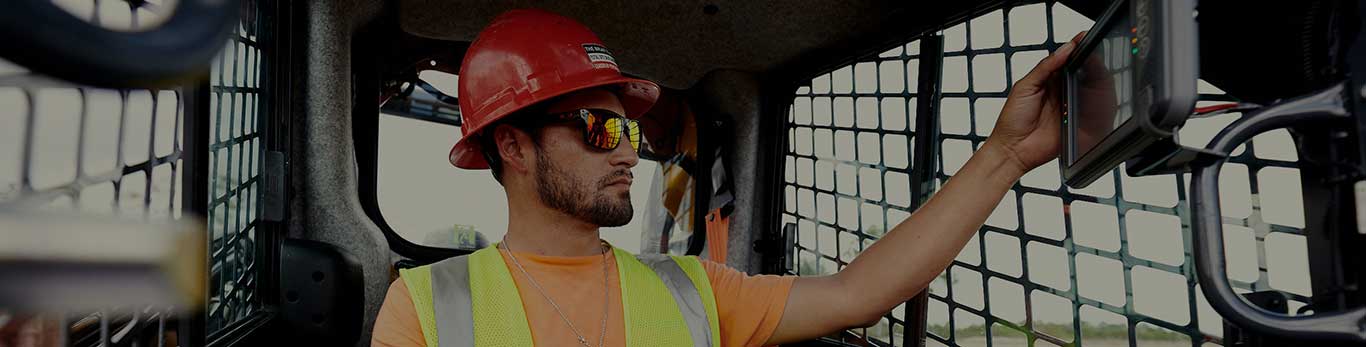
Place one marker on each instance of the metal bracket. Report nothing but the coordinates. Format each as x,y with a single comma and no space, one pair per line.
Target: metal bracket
275,171
784,248
1207,225
1169,157
1270,300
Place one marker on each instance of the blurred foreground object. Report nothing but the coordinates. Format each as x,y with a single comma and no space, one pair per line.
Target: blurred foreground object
84,50
29,331
65,262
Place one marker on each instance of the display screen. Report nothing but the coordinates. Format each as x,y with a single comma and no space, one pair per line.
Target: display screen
1103,86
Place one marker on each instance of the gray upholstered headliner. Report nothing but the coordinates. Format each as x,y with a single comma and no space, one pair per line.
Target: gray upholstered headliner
673,42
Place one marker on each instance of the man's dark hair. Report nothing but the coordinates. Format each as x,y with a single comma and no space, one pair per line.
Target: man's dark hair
489,145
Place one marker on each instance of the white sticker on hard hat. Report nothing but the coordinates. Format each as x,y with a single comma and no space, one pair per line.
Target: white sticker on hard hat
600,56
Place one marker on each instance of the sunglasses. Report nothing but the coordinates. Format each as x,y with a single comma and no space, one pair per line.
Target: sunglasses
603,129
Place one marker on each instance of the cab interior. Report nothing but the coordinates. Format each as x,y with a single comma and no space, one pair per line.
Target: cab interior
811,127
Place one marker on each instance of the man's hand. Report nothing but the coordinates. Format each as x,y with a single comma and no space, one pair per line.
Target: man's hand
908,257
1029,129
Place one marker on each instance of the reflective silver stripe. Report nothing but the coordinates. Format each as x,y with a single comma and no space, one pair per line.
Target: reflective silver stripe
451,300
685,293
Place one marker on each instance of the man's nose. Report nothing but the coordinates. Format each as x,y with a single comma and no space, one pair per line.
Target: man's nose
625,154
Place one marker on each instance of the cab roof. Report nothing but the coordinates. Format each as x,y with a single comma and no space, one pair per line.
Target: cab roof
676,43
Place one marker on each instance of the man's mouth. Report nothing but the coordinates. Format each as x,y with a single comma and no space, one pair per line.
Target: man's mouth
622,179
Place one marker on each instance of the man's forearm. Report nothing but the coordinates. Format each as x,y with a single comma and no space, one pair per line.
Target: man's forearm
914,252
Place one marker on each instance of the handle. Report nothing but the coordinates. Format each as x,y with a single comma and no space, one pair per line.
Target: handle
1207,225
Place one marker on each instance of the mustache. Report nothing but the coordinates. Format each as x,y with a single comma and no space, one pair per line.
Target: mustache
607,180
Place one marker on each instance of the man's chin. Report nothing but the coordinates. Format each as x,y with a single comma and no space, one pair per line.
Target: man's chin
619,216
612,222
622,199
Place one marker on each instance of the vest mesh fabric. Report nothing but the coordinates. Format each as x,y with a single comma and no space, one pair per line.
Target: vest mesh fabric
419,281
499,318
698,275
652,316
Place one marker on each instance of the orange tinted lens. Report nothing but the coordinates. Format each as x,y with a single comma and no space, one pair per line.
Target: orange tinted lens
602,132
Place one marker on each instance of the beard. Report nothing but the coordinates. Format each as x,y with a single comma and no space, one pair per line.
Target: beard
572,195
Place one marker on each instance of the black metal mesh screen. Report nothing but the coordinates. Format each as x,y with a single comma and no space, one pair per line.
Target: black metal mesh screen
851,135
235,152
1106,265
123,152
98,152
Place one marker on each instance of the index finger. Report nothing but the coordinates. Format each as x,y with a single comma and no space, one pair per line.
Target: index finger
1037,78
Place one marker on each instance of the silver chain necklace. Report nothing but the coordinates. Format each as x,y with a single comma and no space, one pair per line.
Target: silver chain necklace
583,341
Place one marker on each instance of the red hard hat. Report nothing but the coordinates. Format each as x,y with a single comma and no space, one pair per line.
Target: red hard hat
528,56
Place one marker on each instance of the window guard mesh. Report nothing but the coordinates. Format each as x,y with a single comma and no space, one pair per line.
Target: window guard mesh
124,153
237,108
1052,264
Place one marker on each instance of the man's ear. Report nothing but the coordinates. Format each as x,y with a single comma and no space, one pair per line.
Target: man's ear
512,143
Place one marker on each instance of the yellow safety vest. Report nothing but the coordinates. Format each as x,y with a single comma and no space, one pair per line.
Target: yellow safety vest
443,295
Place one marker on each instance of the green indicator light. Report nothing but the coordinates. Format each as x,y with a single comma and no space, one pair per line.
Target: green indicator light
1135,50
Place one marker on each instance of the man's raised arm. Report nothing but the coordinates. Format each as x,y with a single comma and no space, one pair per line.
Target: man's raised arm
908,257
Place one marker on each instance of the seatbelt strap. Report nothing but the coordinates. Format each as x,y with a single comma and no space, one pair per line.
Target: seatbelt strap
718,235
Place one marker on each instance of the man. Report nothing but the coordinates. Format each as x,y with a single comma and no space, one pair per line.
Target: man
548,111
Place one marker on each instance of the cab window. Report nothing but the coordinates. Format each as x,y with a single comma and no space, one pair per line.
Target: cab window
1109,264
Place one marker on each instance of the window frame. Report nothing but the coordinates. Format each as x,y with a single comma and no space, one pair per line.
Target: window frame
369,74
275,37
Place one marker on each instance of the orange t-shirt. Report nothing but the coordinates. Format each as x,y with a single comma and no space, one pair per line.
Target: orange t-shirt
749,306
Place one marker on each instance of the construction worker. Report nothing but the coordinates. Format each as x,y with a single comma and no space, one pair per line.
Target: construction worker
548,111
